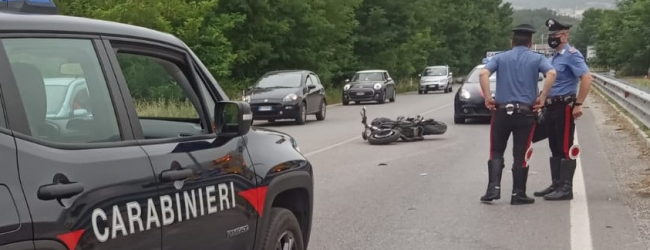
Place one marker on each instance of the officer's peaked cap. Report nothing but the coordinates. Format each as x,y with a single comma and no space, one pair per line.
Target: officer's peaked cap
524,29
554,26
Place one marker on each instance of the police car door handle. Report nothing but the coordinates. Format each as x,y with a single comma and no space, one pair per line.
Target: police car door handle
59,191
175,175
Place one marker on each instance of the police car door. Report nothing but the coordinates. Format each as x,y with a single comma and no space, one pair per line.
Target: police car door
15,231
86,181
203,182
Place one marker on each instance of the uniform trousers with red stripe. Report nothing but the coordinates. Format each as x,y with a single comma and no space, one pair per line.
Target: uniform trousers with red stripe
522,127
560,127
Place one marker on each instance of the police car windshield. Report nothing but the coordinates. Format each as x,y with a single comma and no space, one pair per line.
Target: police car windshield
280,80
374,76
474,76
435,72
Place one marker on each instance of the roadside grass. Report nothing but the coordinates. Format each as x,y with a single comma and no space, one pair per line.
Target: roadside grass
166,108
624,112
639,80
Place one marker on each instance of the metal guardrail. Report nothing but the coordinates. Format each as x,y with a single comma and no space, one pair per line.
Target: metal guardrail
634,100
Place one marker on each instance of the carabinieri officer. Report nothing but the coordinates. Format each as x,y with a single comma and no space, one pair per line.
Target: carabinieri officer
562,107
513,110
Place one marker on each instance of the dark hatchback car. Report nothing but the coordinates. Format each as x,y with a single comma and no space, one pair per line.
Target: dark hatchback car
289,94
129,177
469,101
370,85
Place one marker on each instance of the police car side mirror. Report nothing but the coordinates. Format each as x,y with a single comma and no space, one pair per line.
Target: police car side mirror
232,118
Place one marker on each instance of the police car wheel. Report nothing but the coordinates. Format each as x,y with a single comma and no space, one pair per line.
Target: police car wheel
283,232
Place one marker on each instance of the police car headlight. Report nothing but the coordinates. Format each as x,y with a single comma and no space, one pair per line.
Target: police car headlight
464,94
377,86
346,87
290,97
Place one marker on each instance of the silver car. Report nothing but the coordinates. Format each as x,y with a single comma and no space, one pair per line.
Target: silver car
435,78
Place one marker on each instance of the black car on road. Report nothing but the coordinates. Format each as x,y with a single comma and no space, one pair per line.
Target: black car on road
369,85
128,177
288,94
469,101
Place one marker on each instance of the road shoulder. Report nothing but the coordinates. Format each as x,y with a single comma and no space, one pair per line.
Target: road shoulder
616,177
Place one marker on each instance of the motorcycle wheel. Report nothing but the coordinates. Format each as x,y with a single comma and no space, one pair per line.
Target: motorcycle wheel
364,135
435,129
384,137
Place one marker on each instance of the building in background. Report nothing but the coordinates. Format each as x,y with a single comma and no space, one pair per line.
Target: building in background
591,53
543,49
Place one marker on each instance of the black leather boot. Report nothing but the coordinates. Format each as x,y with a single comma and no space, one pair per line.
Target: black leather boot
565,192
495,169
555,177
519,179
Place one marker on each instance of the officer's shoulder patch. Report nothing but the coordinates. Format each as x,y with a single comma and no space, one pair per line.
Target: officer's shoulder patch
573,50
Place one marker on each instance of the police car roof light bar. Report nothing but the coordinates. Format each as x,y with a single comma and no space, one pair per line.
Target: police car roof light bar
29,6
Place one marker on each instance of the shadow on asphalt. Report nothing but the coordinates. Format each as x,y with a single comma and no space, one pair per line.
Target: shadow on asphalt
475,121
283,123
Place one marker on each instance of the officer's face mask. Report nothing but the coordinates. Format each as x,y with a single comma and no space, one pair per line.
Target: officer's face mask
555,41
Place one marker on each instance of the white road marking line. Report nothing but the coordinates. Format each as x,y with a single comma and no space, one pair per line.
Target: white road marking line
436,109
359,137
580,226
331,146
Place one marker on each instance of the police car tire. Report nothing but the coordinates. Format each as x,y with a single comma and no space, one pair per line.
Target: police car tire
282,220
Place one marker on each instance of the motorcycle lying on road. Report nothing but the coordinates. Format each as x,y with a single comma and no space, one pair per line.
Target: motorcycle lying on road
383,130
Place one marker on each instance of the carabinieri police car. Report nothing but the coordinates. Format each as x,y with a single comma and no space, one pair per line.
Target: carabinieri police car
85,166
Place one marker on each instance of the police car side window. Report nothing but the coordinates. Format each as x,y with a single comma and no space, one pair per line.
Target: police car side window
158,87
63,90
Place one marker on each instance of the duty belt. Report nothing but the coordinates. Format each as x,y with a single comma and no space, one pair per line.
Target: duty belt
514,107
560,99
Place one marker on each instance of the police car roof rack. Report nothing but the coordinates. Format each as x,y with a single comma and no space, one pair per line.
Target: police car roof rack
29,6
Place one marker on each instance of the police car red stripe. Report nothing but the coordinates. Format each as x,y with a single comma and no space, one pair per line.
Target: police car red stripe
256,197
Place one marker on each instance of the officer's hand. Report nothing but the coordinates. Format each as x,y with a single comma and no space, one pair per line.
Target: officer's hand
577,112
539,103
490,103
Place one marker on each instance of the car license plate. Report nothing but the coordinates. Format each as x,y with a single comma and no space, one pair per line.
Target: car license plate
265,108
359,93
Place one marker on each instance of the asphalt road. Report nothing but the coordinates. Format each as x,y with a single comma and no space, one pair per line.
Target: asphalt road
425,195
